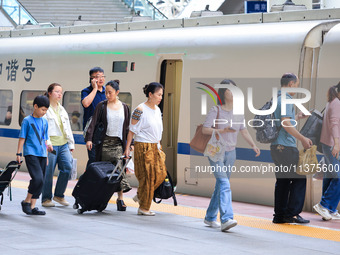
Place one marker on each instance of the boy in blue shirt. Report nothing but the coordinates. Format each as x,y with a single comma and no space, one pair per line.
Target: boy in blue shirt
32,138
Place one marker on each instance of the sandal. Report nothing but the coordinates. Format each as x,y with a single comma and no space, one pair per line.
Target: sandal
36,211
26,207
120,205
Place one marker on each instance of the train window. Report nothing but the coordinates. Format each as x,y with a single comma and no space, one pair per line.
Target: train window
26,102
6,104
71,103
126,98
119,66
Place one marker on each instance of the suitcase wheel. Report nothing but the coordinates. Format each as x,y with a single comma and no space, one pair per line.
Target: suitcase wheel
80,211
75,206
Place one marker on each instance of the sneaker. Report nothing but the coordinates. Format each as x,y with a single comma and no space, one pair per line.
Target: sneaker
213,224
47,203
228,225
322,211
61,201
335,216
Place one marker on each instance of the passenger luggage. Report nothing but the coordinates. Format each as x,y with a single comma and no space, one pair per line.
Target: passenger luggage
165,190
6,177
96,186
266,129
312,128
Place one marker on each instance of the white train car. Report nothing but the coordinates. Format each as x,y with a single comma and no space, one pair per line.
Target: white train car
253,50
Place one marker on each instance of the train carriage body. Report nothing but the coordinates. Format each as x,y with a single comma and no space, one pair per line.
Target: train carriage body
253,55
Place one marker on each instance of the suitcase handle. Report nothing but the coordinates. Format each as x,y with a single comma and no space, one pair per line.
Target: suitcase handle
118,164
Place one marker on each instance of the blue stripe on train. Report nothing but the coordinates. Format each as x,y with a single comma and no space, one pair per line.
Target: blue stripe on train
14,133
241,153
182,148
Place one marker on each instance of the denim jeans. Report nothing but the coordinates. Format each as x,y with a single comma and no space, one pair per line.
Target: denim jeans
221,198
290,188
64,159
331,181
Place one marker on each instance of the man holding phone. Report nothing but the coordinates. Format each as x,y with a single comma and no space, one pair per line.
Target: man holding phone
90,97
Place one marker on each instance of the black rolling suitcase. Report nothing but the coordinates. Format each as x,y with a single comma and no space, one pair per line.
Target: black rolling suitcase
96,186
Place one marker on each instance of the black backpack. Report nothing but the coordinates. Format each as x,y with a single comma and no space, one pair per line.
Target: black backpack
165,190
266,129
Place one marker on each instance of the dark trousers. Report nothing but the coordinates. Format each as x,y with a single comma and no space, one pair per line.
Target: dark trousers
290,188
36,167
92,155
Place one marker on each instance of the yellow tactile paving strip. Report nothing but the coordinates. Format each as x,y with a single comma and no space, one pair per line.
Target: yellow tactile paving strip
248,221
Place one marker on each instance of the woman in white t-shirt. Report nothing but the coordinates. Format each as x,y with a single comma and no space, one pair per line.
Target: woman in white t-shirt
146,126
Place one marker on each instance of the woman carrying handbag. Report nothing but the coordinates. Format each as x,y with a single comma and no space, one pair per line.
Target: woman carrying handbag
221,198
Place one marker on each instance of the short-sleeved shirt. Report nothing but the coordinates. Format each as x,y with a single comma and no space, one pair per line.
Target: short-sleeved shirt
284,137
58,140
150,126
228,119
33,145
88,112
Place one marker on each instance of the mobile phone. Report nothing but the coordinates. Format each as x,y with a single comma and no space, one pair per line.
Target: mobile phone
54,152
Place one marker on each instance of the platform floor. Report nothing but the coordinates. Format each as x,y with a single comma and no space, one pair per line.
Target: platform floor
174,230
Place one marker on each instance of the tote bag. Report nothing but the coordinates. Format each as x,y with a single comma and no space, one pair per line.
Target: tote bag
216,147
308,163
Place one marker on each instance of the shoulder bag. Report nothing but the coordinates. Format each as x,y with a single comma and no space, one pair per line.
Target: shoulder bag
199,141
312,128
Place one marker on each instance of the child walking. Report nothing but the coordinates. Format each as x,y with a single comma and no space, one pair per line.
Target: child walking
32,138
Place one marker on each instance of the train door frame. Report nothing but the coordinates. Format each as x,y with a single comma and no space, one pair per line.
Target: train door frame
171,78
308,73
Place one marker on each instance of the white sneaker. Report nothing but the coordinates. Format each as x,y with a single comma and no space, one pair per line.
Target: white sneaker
47,203
228,225
335,216
322,211
213,224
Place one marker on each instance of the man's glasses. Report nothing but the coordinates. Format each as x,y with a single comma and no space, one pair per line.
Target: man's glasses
98,77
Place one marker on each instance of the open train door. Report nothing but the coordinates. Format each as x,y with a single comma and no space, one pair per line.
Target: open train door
309,75
171,77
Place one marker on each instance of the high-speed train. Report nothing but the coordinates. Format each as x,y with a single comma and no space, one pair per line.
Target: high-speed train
253,50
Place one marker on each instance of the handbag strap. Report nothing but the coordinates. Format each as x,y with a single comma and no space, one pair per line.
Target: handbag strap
218,114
